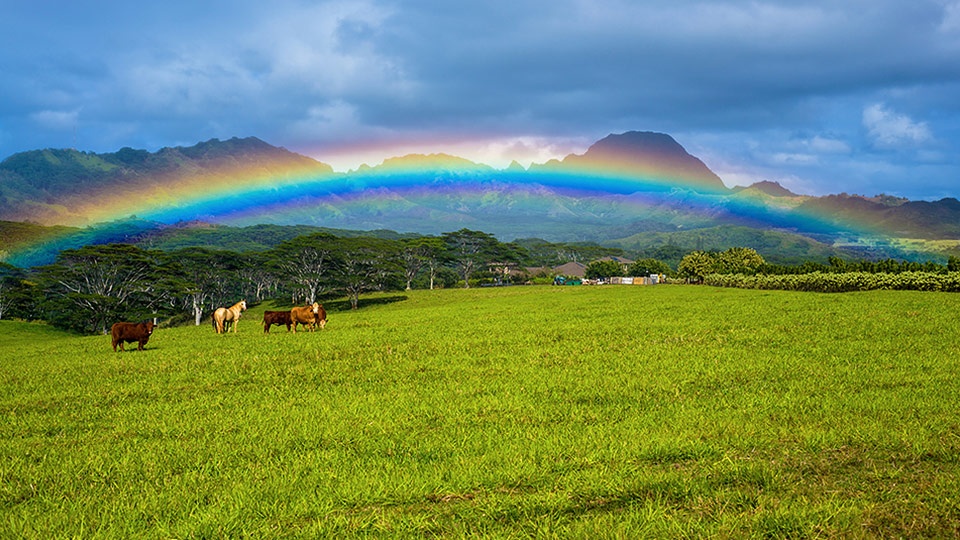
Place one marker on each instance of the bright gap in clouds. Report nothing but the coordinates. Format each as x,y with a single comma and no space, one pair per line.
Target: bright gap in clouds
497,153
889,129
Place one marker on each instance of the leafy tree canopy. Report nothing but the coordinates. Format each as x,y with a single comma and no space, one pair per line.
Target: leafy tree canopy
603,269
645,267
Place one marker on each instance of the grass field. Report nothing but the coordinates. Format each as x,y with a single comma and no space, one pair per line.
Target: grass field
595,412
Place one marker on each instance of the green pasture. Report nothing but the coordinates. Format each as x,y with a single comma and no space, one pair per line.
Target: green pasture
587,412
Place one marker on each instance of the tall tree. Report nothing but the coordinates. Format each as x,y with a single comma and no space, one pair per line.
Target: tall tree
256,275
739,260
306,261
205,279
366,264
469,250
505,258
435,258
696,265
645,267
603,269
419,253
9,279
102,284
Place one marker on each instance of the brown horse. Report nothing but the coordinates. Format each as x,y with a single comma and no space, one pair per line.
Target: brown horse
224,315
306,315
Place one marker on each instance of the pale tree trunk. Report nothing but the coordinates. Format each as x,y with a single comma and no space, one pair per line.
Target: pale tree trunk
197,311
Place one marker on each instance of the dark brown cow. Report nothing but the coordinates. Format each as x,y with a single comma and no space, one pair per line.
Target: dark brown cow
321,317
130,332
275,317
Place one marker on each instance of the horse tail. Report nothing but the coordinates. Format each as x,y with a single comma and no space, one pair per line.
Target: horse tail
217,321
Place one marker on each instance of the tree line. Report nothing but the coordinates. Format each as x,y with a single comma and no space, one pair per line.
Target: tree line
744,268
697,265
87,289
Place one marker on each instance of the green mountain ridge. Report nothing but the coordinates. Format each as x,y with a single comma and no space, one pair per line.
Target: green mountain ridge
38,186
776,247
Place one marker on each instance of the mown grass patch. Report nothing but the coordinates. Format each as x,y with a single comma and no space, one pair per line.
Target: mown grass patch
665,411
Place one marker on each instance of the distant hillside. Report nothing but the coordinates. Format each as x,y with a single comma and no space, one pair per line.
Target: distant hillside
773,189
417,162
27,244
936,220
15,236
776,247
240,239
47,186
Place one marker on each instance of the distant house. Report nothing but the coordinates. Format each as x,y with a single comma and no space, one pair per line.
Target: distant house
517,274
538,271
571,269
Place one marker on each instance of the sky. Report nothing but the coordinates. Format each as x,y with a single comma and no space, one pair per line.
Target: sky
824,97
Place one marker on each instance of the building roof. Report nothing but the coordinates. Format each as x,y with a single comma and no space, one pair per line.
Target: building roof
573,269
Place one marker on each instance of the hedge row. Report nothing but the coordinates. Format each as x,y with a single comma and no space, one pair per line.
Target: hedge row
845,282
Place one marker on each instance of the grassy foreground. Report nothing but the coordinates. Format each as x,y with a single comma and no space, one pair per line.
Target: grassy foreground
603,412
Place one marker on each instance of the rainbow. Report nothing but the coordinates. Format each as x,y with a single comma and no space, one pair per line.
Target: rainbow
418,187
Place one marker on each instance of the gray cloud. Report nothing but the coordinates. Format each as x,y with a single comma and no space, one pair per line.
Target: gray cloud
817,94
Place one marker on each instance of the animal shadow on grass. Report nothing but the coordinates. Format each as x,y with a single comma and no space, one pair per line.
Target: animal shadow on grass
132,348
344,305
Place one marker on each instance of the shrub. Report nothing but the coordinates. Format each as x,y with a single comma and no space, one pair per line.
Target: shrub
841,282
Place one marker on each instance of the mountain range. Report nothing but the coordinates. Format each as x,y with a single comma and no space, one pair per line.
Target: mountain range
627,190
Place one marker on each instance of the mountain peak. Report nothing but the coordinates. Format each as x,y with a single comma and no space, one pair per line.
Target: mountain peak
773,189
438,161
249,149
648,153
515,166
636,142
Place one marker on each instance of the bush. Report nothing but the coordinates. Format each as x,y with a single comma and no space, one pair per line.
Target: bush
841,282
